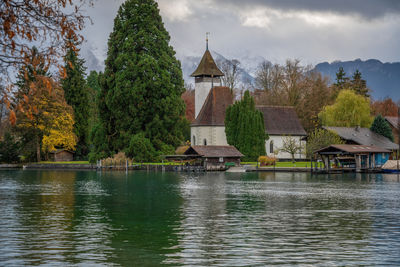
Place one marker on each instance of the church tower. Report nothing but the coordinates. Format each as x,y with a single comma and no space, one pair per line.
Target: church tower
207,75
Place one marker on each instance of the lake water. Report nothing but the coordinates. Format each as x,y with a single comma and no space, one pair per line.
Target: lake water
176,219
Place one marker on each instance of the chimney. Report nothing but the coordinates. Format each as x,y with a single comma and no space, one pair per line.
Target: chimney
357,128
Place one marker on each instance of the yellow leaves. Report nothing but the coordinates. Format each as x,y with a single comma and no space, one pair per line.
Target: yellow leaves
61,134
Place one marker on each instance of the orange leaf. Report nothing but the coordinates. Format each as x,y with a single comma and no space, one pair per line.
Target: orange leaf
13,118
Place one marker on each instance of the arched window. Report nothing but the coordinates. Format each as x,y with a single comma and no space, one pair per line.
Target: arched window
205,142
271,147
194,140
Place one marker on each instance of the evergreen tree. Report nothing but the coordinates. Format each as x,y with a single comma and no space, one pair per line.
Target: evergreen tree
341,79
380,126
93,94
244,128
142,84
76,93
9,149
359,85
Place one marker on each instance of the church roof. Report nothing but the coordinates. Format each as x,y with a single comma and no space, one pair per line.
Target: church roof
214,108
207,67
280,120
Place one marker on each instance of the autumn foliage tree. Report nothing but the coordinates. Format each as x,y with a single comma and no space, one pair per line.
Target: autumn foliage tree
188,97
294,85
43,22
44,115
385,107
39,111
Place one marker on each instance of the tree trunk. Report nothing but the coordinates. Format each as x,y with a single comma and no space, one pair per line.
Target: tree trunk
37,148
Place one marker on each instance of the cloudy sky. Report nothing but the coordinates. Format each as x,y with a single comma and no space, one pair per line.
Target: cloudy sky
313,31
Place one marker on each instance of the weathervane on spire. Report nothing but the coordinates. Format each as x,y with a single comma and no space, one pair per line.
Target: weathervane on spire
207,34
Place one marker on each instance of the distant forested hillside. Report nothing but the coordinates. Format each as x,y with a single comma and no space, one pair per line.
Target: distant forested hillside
382,78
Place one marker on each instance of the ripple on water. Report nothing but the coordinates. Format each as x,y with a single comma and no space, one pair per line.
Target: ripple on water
152,219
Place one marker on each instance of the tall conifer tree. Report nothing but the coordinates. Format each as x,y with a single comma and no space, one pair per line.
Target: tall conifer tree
76,93
142,84
244,128
382,127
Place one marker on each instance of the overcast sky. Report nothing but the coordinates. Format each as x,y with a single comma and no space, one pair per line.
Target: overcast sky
313,31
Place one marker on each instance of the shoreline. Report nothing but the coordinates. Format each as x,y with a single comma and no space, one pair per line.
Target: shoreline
167,168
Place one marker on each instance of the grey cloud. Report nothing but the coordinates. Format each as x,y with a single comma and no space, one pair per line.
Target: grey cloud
367,9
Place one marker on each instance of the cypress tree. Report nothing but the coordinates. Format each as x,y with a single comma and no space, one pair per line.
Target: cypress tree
76,94
244,128
380,126
142,83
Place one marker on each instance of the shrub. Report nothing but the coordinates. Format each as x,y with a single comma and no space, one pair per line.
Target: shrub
141,149
267,161
118,159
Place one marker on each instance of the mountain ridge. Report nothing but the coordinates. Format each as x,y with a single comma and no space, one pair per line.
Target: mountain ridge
382,78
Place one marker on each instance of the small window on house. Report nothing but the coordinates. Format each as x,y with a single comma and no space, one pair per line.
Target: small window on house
271,147
194,140
205,142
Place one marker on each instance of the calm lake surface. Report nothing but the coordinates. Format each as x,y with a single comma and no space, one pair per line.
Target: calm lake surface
215,219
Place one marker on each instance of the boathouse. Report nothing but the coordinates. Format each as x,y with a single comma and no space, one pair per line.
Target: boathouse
353,157
215,157
363,136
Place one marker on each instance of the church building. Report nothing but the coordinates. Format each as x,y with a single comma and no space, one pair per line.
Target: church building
211,102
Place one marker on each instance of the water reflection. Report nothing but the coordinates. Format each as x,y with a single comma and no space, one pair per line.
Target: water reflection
152,219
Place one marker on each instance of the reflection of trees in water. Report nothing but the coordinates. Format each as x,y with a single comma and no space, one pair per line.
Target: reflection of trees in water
45,212
201,230
270,217
144,211
59,220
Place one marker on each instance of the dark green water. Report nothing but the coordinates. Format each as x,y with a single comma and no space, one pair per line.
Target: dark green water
215,219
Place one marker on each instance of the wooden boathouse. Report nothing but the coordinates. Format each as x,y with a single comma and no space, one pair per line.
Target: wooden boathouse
353,157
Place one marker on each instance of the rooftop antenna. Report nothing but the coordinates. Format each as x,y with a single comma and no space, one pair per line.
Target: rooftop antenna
207,34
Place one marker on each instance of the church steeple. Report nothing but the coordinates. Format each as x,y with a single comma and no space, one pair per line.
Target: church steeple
207,34
207,66
207,75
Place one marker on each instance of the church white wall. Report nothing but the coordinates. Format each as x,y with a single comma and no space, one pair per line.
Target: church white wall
278,144
202,89
215,135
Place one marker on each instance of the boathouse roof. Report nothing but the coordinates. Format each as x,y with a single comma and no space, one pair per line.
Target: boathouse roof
363,136
214,151
351,149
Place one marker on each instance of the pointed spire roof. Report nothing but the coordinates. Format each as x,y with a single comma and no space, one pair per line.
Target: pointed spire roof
207,67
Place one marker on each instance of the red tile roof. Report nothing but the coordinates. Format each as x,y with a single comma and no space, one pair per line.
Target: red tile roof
214,109
280,120
207,67
214,151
